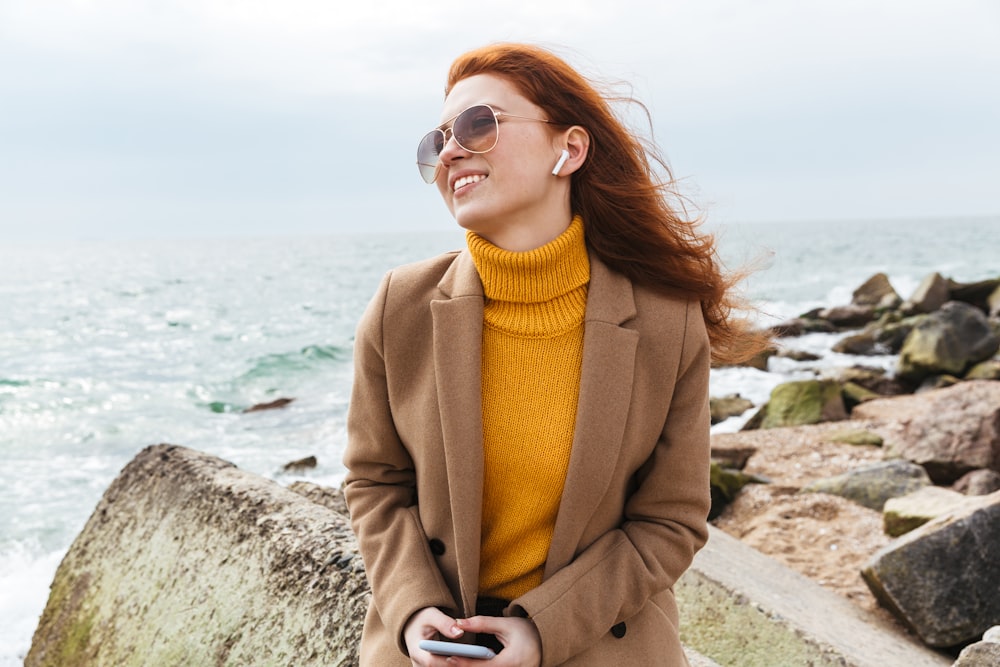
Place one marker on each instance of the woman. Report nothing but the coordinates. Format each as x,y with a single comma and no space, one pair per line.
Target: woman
528,447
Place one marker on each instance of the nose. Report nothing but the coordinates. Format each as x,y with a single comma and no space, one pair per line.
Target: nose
451,149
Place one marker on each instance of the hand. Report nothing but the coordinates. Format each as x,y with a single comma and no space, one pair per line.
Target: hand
522,645
429,623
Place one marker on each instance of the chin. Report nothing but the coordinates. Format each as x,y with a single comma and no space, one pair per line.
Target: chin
471,219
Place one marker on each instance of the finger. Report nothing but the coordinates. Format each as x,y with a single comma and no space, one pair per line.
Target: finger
425,659
490,624
433,620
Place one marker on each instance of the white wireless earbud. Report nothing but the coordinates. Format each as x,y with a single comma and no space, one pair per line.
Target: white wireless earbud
561,162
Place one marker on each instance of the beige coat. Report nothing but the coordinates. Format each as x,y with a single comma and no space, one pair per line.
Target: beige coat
634,507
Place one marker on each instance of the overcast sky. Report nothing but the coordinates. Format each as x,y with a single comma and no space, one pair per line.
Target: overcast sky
189,118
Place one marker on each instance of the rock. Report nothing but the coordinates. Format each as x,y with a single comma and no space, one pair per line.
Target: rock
810,322
858,437
876,291
879,338
307,463
872,379
755,420
975,294
803,402
788,329
854,394
948,431
728,406
980,654
272,405
798,355
732,457
978,483
743,609
985,370
322,495
889,337
871,486
862,344
993,303
949,340
903,514
941,579
759,360
188,560
931,294
848,317
726,483
937,382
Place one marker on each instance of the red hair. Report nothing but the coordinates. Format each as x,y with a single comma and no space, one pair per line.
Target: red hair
626,208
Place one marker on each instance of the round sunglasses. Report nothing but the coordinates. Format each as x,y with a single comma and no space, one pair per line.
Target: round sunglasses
476,130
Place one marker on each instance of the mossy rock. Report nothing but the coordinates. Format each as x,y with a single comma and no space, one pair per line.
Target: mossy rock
726,484
725,407
804,402
854,394
871,486
986,370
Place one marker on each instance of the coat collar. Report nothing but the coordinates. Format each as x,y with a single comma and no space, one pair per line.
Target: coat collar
605,390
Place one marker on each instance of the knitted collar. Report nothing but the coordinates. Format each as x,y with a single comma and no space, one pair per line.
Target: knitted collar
535,276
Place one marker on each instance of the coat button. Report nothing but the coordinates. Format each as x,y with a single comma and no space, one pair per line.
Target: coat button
619,630
437,547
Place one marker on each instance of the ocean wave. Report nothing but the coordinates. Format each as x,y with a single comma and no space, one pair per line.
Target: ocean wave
272,375
309,358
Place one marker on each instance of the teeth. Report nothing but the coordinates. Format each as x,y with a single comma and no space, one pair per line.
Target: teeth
466,180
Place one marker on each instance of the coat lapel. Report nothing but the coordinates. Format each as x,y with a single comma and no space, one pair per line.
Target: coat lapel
458,322
605,391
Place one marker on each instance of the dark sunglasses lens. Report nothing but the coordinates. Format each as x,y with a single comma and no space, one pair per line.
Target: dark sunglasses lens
476,129
427,154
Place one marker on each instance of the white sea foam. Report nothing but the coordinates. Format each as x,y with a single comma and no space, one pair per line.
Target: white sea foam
25,574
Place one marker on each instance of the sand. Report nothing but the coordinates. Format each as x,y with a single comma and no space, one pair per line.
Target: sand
826,538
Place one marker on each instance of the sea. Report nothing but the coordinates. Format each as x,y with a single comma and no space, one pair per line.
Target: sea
109,346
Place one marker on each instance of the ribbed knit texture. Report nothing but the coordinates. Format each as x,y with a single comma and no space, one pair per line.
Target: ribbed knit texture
532,353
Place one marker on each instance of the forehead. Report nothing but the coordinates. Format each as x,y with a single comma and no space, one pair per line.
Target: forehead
490,89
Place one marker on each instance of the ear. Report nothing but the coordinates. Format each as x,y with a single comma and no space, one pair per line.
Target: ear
576,141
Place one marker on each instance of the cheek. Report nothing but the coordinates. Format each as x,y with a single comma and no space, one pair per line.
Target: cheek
445,191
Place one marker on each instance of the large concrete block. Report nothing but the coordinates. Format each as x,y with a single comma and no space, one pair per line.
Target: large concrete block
188,560
743,609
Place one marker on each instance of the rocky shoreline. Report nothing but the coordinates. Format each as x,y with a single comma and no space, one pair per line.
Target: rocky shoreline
836,476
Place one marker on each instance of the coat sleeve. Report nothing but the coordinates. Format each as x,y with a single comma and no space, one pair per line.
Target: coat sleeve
380,489
664,523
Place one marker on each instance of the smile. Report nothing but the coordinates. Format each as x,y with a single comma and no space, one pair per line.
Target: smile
467,180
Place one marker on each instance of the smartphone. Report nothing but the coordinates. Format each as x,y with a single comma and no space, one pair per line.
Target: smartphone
454,648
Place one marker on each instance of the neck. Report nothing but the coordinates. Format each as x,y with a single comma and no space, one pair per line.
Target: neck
526,230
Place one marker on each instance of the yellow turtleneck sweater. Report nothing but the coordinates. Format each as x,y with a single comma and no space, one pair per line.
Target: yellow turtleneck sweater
532,353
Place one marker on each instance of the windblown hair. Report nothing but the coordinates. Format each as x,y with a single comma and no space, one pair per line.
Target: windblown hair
626,206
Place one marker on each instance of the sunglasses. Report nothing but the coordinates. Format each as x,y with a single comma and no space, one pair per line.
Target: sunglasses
476,130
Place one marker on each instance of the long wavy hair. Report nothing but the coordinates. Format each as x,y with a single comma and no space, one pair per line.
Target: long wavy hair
634,219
